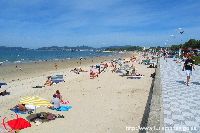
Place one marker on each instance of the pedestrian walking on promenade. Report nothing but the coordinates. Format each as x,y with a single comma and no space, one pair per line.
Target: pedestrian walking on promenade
188,66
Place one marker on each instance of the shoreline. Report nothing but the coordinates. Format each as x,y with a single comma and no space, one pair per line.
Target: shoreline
25,61
9,72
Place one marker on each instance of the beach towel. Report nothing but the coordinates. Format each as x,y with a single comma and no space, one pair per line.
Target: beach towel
17,111
65,102
63,108
16,124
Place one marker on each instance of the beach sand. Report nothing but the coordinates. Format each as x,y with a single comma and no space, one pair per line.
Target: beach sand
107,104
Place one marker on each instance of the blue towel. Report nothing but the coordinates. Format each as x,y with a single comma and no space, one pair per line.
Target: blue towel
17,111
63,108
57,80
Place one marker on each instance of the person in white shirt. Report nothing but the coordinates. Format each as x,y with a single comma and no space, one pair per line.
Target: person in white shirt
56,102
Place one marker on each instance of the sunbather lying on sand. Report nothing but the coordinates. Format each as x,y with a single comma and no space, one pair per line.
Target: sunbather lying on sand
93,73
105,66
78,70
49,81
75,70
81,70
20,107
3,93
115,68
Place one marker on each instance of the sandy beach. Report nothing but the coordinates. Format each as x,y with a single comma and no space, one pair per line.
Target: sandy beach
106,104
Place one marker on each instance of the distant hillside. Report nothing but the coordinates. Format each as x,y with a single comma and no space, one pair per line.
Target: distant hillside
66,48
12,48
77,48
123,48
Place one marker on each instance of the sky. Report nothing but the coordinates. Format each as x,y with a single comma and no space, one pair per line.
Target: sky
98,23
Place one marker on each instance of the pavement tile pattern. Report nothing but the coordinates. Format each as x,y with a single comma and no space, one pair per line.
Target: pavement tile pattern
181,103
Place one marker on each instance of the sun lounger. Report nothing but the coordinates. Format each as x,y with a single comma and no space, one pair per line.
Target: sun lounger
59,76
1,84
57,79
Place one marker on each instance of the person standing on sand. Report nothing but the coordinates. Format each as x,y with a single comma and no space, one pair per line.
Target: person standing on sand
165,55
188,65
56,66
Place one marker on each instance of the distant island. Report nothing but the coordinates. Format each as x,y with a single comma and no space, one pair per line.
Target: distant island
13,48
78,48
123,48
66,48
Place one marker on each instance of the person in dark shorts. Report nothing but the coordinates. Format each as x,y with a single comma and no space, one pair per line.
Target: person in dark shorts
188,65
165,55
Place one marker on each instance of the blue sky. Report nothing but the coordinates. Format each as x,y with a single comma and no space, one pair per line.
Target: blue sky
97,23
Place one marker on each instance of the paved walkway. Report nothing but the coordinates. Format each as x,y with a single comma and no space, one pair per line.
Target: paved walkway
181,103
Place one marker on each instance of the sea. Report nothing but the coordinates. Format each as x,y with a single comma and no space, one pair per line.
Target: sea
25,56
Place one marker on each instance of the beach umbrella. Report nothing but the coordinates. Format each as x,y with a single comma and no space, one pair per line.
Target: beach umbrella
35,101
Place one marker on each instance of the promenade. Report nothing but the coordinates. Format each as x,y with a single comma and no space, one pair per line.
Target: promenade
181,103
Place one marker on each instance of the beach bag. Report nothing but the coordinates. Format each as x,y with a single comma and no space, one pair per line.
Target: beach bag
51,117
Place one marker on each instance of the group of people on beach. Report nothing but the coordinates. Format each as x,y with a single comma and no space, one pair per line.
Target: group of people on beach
56,101
125,66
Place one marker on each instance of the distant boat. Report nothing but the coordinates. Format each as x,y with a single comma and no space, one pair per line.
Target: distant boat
17,61
107,51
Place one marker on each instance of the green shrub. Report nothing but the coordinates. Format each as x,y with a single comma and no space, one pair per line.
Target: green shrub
197,59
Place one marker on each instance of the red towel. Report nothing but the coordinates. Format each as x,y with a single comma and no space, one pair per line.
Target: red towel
18,124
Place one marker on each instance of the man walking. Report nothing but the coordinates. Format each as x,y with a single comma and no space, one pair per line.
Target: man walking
188,65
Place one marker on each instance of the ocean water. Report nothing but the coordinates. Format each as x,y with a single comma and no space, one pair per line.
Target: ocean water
17,56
